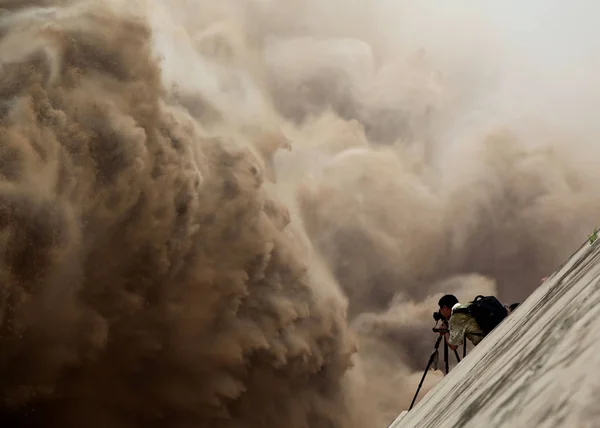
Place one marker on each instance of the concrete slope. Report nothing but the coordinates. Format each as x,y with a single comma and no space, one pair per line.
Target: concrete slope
539,368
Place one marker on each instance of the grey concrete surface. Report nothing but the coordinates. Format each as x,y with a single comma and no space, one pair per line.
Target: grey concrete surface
540,368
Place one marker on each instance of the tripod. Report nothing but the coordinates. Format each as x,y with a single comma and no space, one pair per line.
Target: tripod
432,358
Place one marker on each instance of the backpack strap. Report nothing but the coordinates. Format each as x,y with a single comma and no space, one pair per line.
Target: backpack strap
462,310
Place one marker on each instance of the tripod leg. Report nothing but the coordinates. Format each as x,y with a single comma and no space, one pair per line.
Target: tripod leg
446,356
431,358
422,379
457,357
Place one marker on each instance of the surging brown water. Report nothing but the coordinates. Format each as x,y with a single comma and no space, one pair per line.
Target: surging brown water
164,263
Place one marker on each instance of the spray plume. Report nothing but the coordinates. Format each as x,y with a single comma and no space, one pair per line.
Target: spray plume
165,262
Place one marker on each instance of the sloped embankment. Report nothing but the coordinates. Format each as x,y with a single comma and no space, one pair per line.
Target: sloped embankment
537,369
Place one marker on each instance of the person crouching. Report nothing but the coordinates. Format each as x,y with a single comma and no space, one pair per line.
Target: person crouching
460,325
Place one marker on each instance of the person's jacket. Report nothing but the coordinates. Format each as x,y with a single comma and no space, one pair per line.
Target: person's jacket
463,325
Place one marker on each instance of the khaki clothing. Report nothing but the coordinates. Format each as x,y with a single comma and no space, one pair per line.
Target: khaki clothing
461,324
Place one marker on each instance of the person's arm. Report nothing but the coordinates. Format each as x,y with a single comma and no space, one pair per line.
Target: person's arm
453,347
447,338
457,332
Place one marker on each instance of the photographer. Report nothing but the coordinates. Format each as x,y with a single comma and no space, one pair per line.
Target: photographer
460,324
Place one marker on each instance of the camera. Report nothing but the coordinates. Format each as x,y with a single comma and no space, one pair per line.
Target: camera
437,316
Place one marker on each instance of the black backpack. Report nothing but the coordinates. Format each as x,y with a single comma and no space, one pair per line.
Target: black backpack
487,311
